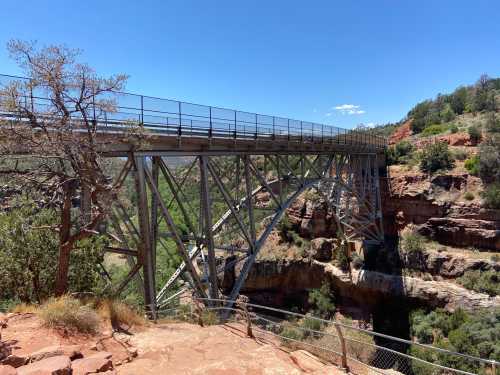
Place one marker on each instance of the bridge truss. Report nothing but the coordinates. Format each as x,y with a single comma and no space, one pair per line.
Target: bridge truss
217,211
239,173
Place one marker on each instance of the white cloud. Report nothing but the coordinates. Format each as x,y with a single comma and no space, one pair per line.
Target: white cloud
315,110
328,114
349,109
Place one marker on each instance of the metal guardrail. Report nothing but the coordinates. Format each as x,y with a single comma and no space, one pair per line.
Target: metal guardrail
359,350
173,117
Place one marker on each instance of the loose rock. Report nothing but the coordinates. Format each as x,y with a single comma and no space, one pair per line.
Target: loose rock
59,365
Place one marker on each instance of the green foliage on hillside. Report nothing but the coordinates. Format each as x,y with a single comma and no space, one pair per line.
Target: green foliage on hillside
482,96
472,165
482,281
434,130
399,153
491,196
436,156
28,255
413,243
476,334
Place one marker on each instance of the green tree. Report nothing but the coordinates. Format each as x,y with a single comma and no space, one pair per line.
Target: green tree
447,114
68,162
322,301
459,100
28,255
489,159
436,156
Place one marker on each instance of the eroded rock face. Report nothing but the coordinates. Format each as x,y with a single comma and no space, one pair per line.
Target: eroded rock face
311,218
411,199
446,265
361,286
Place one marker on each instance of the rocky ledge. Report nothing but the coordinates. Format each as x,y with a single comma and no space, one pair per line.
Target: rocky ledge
273,281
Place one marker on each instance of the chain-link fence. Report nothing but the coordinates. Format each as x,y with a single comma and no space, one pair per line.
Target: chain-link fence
113,112
359,350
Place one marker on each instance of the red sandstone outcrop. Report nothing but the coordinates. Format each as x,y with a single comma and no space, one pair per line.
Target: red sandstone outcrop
416,199
403,132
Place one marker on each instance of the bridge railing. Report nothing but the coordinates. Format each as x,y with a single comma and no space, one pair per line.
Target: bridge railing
360,350
178,118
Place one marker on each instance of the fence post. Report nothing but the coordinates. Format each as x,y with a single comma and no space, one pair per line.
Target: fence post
493,368
210,131
180,120
343,346
241,302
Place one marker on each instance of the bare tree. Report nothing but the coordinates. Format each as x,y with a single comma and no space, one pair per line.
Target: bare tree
54,123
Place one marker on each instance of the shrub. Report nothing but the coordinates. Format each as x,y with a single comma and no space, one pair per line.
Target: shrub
119,313
472,165
489,159
399,153
291,333
460,154
468,196
434,130
491,196
436,156
413,243
312,324
323,303
492,124
481,281
453,128
474,133
68,313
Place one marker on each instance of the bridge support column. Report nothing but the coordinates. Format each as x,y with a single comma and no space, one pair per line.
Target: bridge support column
145,250
207,227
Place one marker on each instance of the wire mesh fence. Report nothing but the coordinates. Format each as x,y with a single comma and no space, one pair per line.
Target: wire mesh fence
116,111
359,350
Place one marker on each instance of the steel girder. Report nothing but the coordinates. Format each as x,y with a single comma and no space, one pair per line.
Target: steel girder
214,206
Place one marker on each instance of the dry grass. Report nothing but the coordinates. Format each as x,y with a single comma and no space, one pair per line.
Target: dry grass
119,313
70,314
24,308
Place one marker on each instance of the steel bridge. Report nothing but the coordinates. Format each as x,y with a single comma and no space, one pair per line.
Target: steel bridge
212,183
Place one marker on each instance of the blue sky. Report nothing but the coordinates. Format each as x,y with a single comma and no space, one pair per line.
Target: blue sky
335,62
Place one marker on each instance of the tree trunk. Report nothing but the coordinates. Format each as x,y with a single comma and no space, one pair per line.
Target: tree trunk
65,246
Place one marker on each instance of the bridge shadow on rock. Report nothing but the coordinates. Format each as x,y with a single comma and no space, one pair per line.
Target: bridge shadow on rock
391,312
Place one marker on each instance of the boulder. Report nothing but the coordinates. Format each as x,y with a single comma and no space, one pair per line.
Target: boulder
321,249
7,370
71,351
59,365
15,360
98,362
